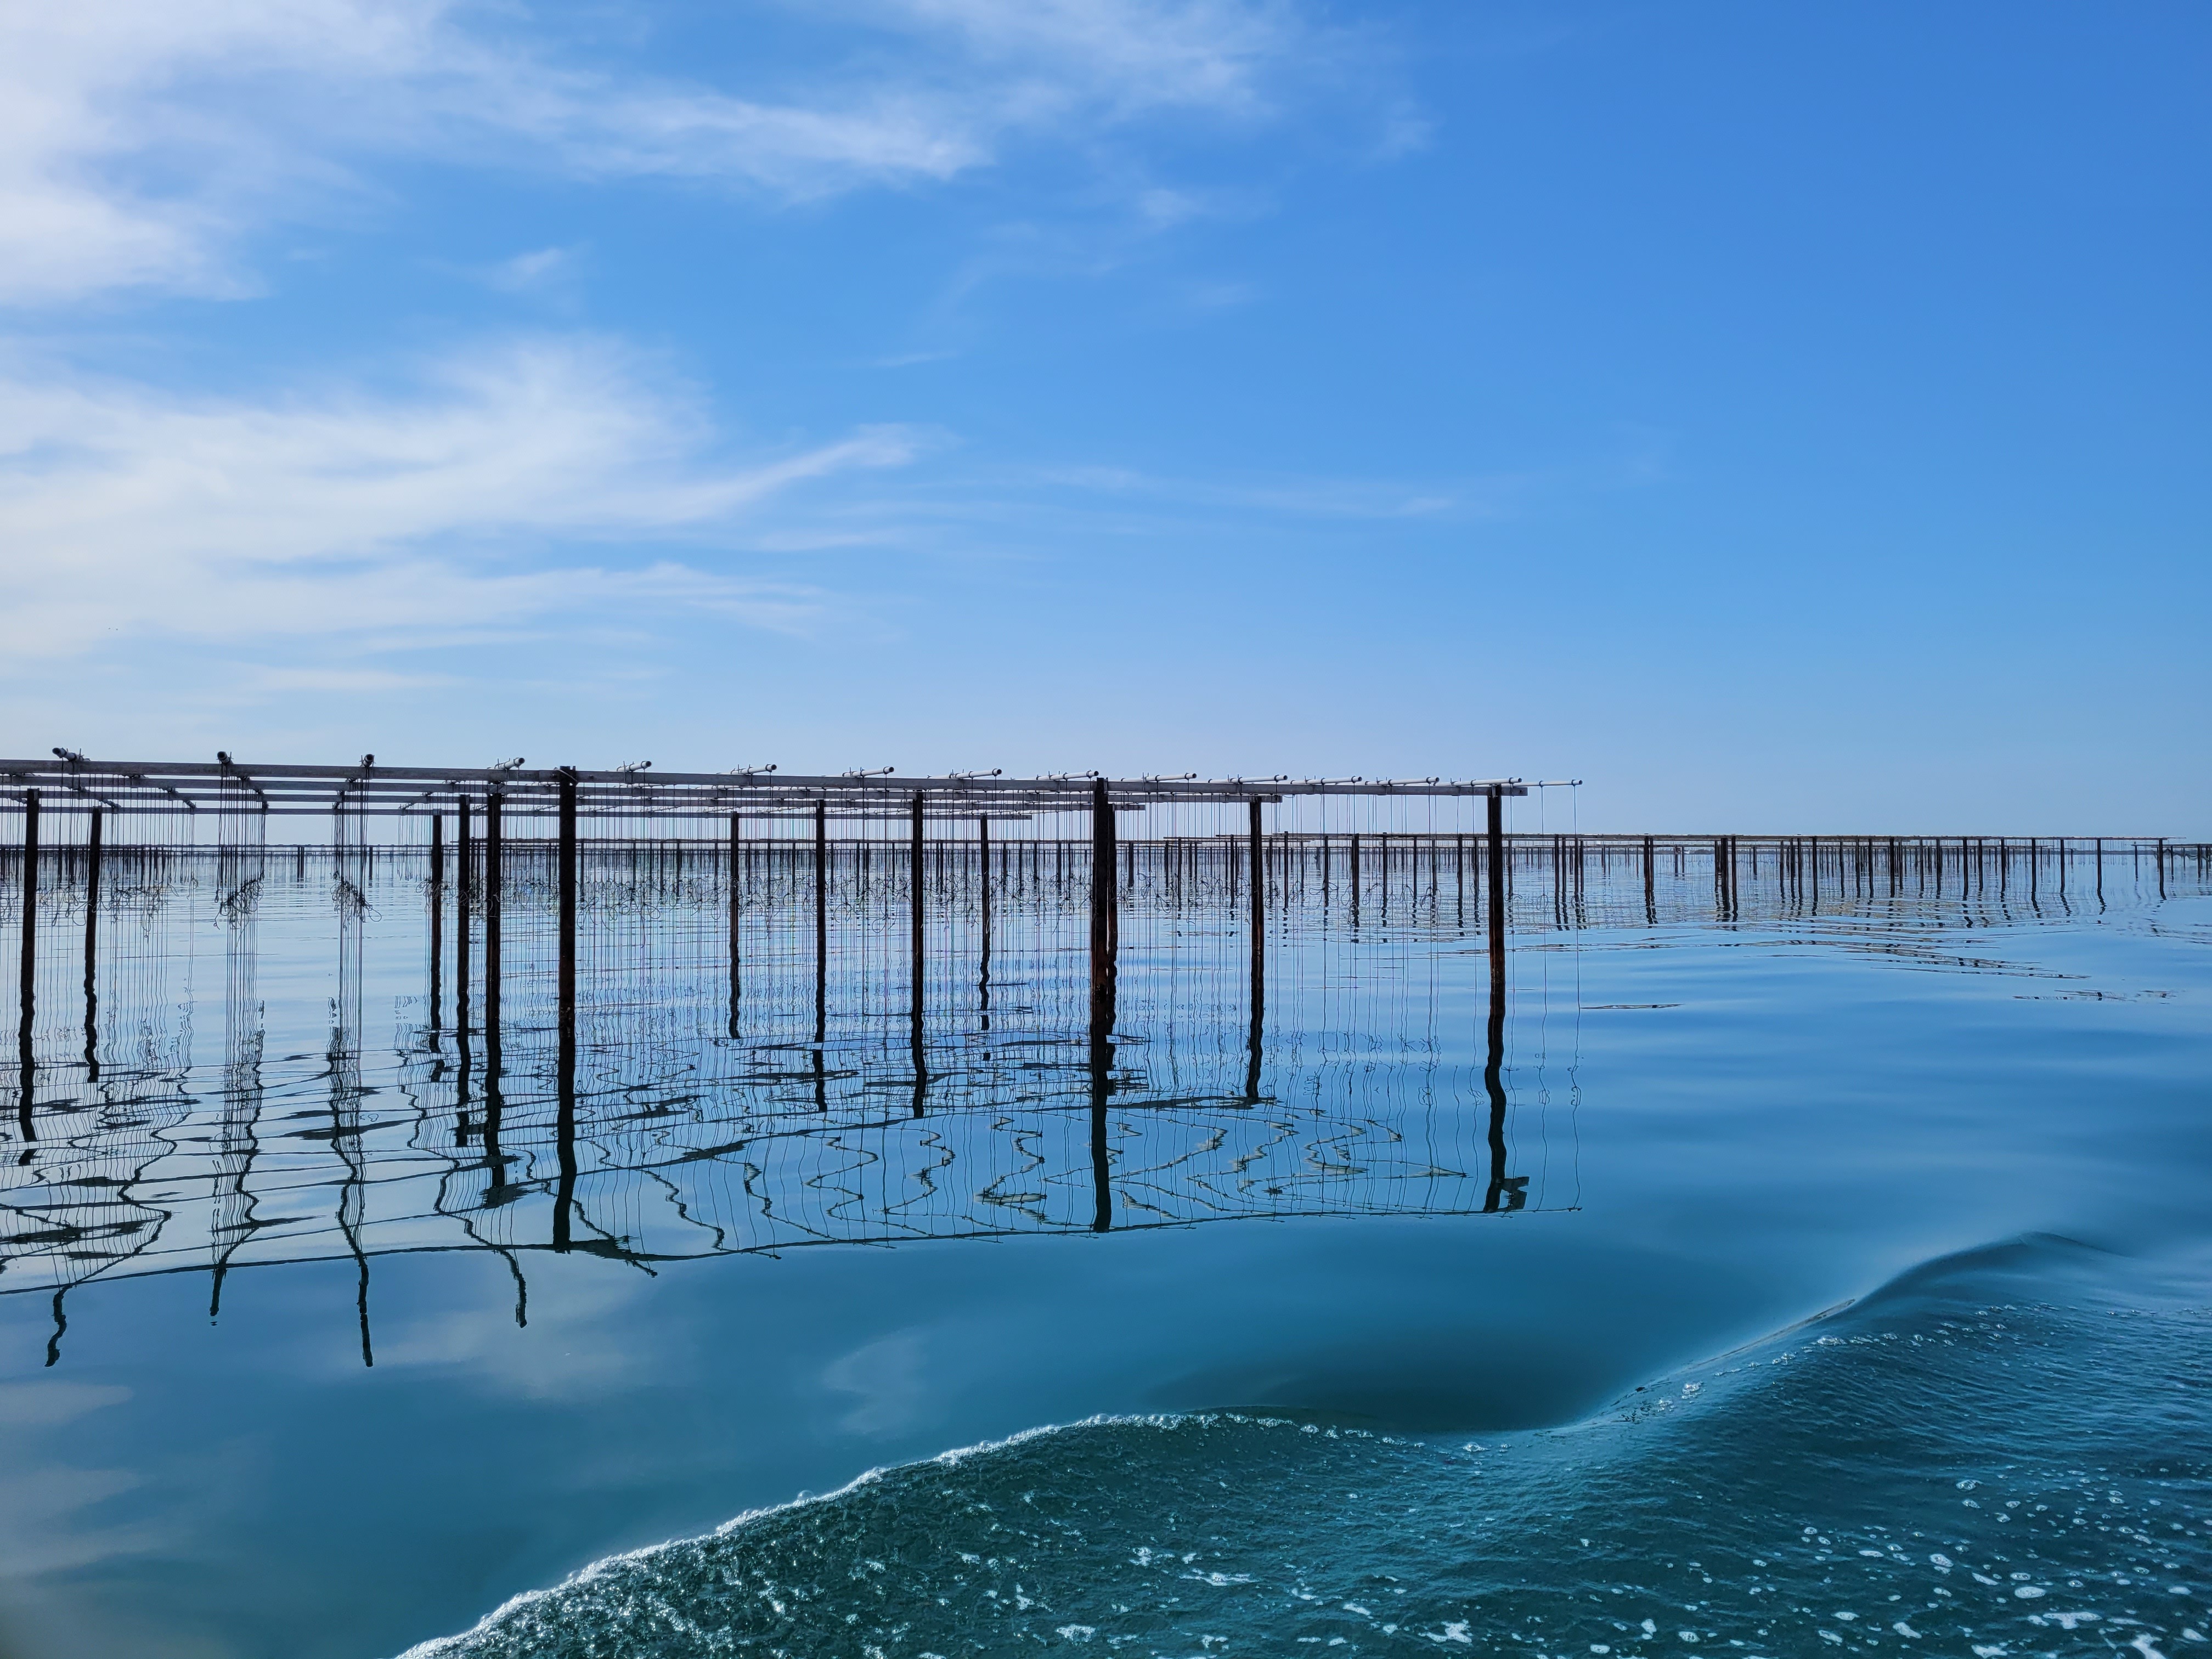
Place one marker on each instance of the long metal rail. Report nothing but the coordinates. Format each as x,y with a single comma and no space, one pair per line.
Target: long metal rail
70,783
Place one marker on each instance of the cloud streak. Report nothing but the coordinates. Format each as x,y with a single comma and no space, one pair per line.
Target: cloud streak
141,142
491,493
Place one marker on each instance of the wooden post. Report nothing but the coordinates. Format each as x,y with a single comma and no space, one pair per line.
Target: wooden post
1104,938
1496,875
492,898
734,976
821,923
26,1061
983,965
916,943
1355,881
564,1197
437,919
1259,960
463,868
1501,1188
92,952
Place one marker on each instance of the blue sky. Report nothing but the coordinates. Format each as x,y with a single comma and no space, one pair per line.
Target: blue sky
1782,417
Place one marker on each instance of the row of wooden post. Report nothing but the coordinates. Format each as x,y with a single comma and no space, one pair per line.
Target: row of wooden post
1105,926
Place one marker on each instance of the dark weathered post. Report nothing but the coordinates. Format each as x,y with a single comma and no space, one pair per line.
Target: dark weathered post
26,1063
1259,959
983,966
492,898
92,952
1496,877
734,975
916,942
821,923
1650,889
464,872
564,1197
1353,876
464,882
437,919
1493,1078
1103,940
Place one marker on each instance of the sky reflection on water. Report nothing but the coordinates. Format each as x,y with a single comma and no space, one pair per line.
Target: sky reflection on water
1720,1125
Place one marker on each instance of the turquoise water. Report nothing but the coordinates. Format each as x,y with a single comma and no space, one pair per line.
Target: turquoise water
1854,1293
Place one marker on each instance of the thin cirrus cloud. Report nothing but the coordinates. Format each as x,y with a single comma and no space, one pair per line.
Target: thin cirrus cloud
141,142
475,500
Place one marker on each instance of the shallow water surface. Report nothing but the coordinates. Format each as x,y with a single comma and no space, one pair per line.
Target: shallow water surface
1820,1273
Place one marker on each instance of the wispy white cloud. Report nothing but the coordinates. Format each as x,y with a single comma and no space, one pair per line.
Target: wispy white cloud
141,141
489,494
534,273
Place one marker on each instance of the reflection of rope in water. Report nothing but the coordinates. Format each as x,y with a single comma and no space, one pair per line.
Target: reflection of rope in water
692,1143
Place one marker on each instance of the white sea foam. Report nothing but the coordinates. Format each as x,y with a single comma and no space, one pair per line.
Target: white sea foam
439,1647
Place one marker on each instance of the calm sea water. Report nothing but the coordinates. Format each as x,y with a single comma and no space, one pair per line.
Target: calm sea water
1839,1274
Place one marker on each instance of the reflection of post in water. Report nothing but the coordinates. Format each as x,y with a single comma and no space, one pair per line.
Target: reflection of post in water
983,969
1259,961
92,952
243,1038
1104,942
26,1064
915,950
350,857
564,1196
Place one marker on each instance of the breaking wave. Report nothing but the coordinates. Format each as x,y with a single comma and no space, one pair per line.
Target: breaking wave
2003,1453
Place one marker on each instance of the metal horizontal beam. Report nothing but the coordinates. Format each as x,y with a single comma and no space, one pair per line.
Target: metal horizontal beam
170,786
